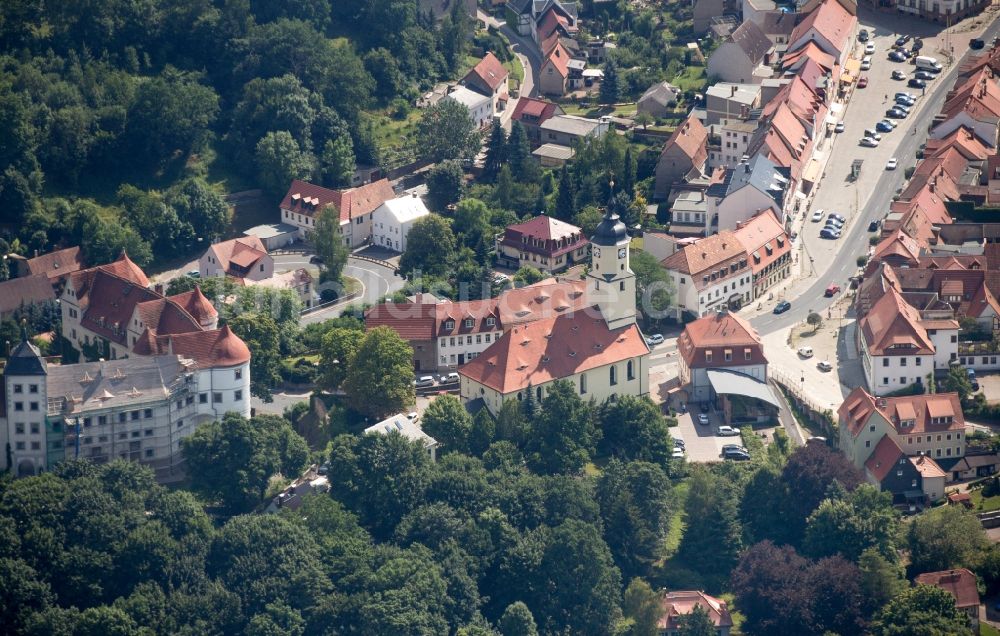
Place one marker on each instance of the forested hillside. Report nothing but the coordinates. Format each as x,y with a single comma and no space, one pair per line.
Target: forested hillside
125,120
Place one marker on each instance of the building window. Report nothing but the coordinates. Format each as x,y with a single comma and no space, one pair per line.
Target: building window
19,446
583,383
18,406
630,370
18,388
122,417
102,420
490,321
614,375
203,398
468,323
19,428
150,452
148,432
708,356
217,398
34,428
238,395
885,362
728,355
180,423
238,373
36,446
148,413
189,400
868,443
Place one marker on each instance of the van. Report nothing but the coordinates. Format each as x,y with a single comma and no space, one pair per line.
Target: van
927,63
806,352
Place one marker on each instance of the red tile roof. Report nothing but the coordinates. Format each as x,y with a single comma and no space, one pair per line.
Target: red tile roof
677,604
306,198
927,413
412,321
718,334
56,264
831,21
538,109
691,138
552,349
705,255
489,71
24,291
764,240
195,303
855,410
960,583
927,467
243,251
963,140
810,51
165,316
892,327
545,235
479,311
884,458
897,244
545,299
559,57
209,349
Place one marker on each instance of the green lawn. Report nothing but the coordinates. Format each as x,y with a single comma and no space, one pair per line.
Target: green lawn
692,79
988,503
985,629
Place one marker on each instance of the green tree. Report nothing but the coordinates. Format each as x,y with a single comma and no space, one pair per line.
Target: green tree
279,159
944,538
496,152
643,607
429,245
849,526
654,289
634,429
523,166
446,131
337,161
643,119
104,241
814,320
566,195
329,242
634,500
564,435
197,203
697,622
447,421
713,538
384,69
379,378
611,84
881,579
472,222
517,621
445,184
231,461
262,336
528,275
924,609
588,219
337,352
957,381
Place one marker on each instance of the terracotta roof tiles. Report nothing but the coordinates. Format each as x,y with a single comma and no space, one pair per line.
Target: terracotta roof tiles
884,458
489,71
718,334
960,583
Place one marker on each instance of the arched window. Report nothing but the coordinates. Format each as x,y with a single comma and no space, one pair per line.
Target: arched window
538,392
583,383
614,375
630,370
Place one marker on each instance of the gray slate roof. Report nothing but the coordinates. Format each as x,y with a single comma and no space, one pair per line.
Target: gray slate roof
663,93
752,39
25,359
760,173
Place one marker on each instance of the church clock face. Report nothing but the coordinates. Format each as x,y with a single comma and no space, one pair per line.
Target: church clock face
621,253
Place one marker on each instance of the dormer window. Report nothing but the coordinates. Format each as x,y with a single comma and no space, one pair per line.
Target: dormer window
490,321
468,323
449,325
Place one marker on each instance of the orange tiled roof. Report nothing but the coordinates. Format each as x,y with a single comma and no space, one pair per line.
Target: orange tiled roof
691,138
680,603
212,348
705,254
892,327
489,71
884,457
960,583
764,240
718,333
927,467
306,198
57,263
831,21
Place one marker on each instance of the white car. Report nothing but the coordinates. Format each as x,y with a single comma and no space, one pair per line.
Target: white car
891,164
823,365
678,453
818,216
839,128
654,339
868,142
726,431
806,352
869,48
866,62
448,378
702,418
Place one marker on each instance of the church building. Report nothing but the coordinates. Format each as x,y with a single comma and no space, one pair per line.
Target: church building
598,347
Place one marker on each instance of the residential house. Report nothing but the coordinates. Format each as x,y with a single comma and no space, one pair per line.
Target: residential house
553,155
480,106
721,360
532,113
138,409
754,10
274,235
55,265
710,274
743,57
22,292
948,12
244,257
598,348
725,101
304,201
741,193
566,130
706,12
768,249
392,220
899,347
291,498
675,605
974,104
890,470
929,425
777,25
689,214
598,51
552,16
831,26
489,77
545,243
519,16
553,76
683,155
734,138
414,322
658,99
960,583
402,425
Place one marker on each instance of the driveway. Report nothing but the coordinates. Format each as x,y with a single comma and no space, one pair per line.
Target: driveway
700,443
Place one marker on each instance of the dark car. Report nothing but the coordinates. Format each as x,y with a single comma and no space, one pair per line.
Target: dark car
898,75
782,307
828,233
873,226
895,113
917,45
736,455
974,43
863,36
896,56
315,260
916,83
924,75
883,127
901,40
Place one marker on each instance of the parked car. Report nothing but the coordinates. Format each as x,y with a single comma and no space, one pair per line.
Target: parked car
702,418
895,113
412,415
868,142
726,431
924,75
891,164
873,134
828,233
736,455
869,48
866,62
896,56
882,126
863,82
782,307
677,453
423,381
834,223
916,83
823,365
839,128
889,123
448,378
805,352
193,274
873,226
903,39
654,339
316,259
904,101
917,45
838,217
678,442
910,96
898,75
817,216
736,447
972,379
863,35
975,44
832,290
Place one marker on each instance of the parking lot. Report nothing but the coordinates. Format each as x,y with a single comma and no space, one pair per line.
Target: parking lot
700,441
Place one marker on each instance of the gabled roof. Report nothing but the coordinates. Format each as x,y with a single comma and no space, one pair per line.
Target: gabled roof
677,604
764,240
213,348
57,263
412,321
307,198
243,252
854,411
810,51
663,93
691,138
553,349
25,359
926,413
892,327
545,228
406,208
960,583
559,57
884,458
195,303
165,316
927,467
961,139
897,244
760,173
538,109
829,20
719,333
705,254
28,290
752,41
776,22
490,72
544,299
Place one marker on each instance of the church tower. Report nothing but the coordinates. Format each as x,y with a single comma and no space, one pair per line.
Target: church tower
610,282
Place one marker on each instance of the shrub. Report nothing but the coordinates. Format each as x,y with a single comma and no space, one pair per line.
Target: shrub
301,371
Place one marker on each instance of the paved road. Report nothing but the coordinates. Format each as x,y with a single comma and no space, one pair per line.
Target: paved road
842,262
526,49
378,281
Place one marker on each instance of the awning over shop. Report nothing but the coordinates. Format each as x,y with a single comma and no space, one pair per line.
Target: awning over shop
812,171
732,383
852,67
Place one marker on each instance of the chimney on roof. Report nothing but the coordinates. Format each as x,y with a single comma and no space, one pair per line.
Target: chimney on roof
158,288
732,90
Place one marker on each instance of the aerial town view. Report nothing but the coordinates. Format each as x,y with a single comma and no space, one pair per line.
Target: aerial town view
500,318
